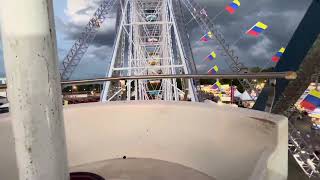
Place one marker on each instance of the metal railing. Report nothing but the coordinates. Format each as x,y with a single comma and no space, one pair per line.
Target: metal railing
263,75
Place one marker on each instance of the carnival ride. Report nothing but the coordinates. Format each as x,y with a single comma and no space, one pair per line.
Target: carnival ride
152,40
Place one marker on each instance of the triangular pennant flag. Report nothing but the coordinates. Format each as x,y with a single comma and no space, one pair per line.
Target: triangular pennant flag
216,85
278,55
206,37
312,100
213,70
211,56
233,6
257,29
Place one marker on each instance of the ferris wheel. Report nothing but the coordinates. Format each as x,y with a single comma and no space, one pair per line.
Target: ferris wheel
152,39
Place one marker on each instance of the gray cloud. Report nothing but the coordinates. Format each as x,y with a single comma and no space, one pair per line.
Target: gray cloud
95,61
94,64
73,31
281,16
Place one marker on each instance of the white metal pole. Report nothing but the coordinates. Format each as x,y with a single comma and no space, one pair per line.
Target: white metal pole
34,92
191,89
106,85
130,50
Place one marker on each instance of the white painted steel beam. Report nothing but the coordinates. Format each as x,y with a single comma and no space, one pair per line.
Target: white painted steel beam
31,62
191,87
106,85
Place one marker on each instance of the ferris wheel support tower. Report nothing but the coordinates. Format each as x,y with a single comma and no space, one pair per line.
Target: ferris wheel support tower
148,42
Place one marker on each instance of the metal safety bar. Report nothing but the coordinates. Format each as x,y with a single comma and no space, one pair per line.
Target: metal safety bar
264,75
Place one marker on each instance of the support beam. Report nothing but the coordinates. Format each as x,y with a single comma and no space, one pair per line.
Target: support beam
106,85
270,75
294,89
34,92
304,61
191,88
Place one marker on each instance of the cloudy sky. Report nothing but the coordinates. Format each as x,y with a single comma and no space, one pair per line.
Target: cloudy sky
282,17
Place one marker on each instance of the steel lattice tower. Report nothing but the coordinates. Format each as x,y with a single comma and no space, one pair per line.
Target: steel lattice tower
151,40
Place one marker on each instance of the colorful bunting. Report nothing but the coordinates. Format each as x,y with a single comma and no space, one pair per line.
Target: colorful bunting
206,37
211,56
233,6
213,70
277,56
257,29
312,100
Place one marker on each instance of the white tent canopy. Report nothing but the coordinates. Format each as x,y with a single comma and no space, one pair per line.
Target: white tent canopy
315,113
245,96
237,94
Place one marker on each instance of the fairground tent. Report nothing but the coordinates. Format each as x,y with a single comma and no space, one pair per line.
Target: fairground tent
245,96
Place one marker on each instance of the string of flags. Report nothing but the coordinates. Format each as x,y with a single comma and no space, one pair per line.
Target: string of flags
278,55
255,31
230,8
